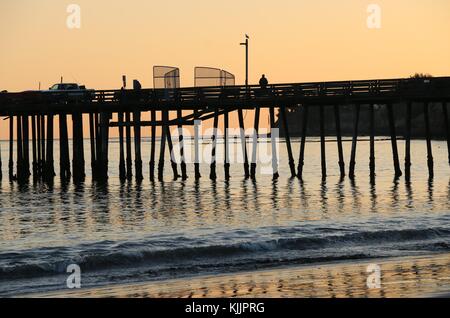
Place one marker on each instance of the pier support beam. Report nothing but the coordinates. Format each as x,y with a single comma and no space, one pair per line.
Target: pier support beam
19,167
128,145
173,162
11,148
49,162
372,142
398,171
226,146
430,159
323,159
337,118
255,143
301,160
354,141
137,146
78,151
153,146
408,142
273,142
34,146
212,174
42,165
162,151
64,159
446,127
243,143
196,147
122,170
288,141
102,156
26,146
184,175
93,143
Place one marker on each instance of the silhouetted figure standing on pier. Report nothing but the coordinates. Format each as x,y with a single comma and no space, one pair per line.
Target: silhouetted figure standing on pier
263,82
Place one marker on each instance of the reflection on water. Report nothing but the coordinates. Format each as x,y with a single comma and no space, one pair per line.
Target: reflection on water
233,225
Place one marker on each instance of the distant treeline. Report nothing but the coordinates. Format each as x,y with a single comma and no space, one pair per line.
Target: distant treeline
295,120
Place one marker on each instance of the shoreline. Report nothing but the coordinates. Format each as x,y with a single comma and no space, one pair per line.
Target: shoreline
413,276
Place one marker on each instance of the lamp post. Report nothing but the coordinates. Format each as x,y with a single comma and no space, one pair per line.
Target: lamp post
246,60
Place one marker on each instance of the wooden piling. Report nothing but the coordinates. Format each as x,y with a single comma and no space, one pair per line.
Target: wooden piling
408,142
354,141
212,174
226,146
11,148
430,160
255,143
372,142
64,157
122,170
162,151
128,145
137,146
26,146
397,169
446,127
103,154
273,142
49,163
42,145
78,151
153,146
34,146
323,160
196,147
243,143
173,162
301,161
337,118
181,142
93,144
39,151
19,167
288,141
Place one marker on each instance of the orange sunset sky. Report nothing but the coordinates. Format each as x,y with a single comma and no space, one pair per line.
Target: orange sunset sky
291,40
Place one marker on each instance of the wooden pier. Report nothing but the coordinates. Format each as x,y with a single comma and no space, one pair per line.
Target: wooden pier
37,110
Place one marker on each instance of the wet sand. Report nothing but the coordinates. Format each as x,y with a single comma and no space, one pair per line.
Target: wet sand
424,276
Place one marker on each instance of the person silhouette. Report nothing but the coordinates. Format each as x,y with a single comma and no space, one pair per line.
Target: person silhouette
263,82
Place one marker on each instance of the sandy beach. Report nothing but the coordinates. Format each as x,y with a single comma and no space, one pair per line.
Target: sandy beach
424,276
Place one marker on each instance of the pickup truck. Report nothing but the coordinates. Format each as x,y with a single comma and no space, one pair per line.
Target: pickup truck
68,92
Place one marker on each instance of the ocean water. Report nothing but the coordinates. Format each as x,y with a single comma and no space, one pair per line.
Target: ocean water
135,232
